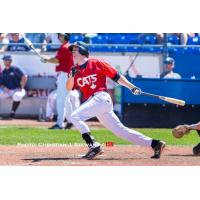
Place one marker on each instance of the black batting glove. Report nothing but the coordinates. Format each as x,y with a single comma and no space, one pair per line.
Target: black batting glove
136,91
73,72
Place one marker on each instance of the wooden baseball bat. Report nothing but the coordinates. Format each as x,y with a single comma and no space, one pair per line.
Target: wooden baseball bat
167,99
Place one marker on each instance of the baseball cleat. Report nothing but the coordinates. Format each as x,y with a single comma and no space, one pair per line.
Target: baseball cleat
158,149
54,127
68,126
93,152
12,115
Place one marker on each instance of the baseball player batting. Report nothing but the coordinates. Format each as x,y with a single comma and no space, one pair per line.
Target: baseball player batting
89,76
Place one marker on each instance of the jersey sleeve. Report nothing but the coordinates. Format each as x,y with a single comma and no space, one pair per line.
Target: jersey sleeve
109,71
62,53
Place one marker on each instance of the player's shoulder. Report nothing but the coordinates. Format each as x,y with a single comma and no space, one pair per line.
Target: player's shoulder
178,76
18,68
65,46
96,60
15,67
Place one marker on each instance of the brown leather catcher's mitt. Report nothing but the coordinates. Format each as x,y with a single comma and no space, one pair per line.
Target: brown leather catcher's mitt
180,131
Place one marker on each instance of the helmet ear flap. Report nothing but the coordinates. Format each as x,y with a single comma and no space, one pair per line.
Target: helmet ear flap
83,51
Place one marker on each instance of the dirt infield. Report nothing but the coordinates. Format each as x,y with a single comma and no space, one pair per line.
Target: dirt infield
36,123
113,156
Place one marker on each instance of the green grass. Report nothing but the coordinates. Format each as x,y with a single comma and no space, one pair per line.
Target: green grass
16,135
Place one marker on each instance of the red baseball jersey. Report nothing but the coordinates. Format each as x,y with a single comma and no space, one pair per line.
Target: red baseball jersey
92,78
65,59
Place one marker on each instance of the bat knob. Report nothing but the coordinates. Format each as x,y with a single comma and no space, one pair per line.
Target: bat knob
136,91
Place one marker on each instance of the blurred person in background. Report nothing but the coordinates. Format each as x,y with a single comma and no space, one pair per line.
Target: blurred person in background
14,43
13,82
169,67
177,38
51,42
64,63
3,42
88,37
38,40
73,100
51,106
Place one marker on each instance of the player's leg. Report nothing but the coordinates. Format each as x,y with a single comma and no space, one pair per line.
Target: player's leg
51,105
112,122
73,102
4,94
86,111
61,100
75,99
17,96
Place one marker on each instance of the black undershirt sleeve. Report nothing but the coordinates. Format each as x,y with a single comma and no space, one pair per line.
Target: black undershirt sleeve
116,77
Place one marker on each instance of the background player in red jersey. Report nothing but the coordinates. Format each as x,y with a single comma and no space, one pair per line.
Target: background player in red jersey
89,76
64,62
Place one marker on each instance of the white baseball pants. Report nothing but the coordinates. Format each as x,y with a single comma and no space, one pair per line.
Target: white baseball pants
17,94
51,104
61,98
100,105
73,102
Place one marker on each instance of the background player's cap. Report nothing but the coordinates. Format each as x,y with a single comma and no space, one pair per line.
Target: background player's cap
7,57
66,35
169,60
83,49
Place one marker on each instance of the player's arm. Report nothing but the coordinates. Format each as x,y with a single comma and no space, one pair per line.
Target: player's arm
112,73
70,81
195,126
23,81
124,82
57,59
47,59
22,76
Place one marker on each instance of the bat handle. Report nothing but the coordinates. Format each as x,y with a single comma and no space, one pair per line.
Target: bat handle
150,95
